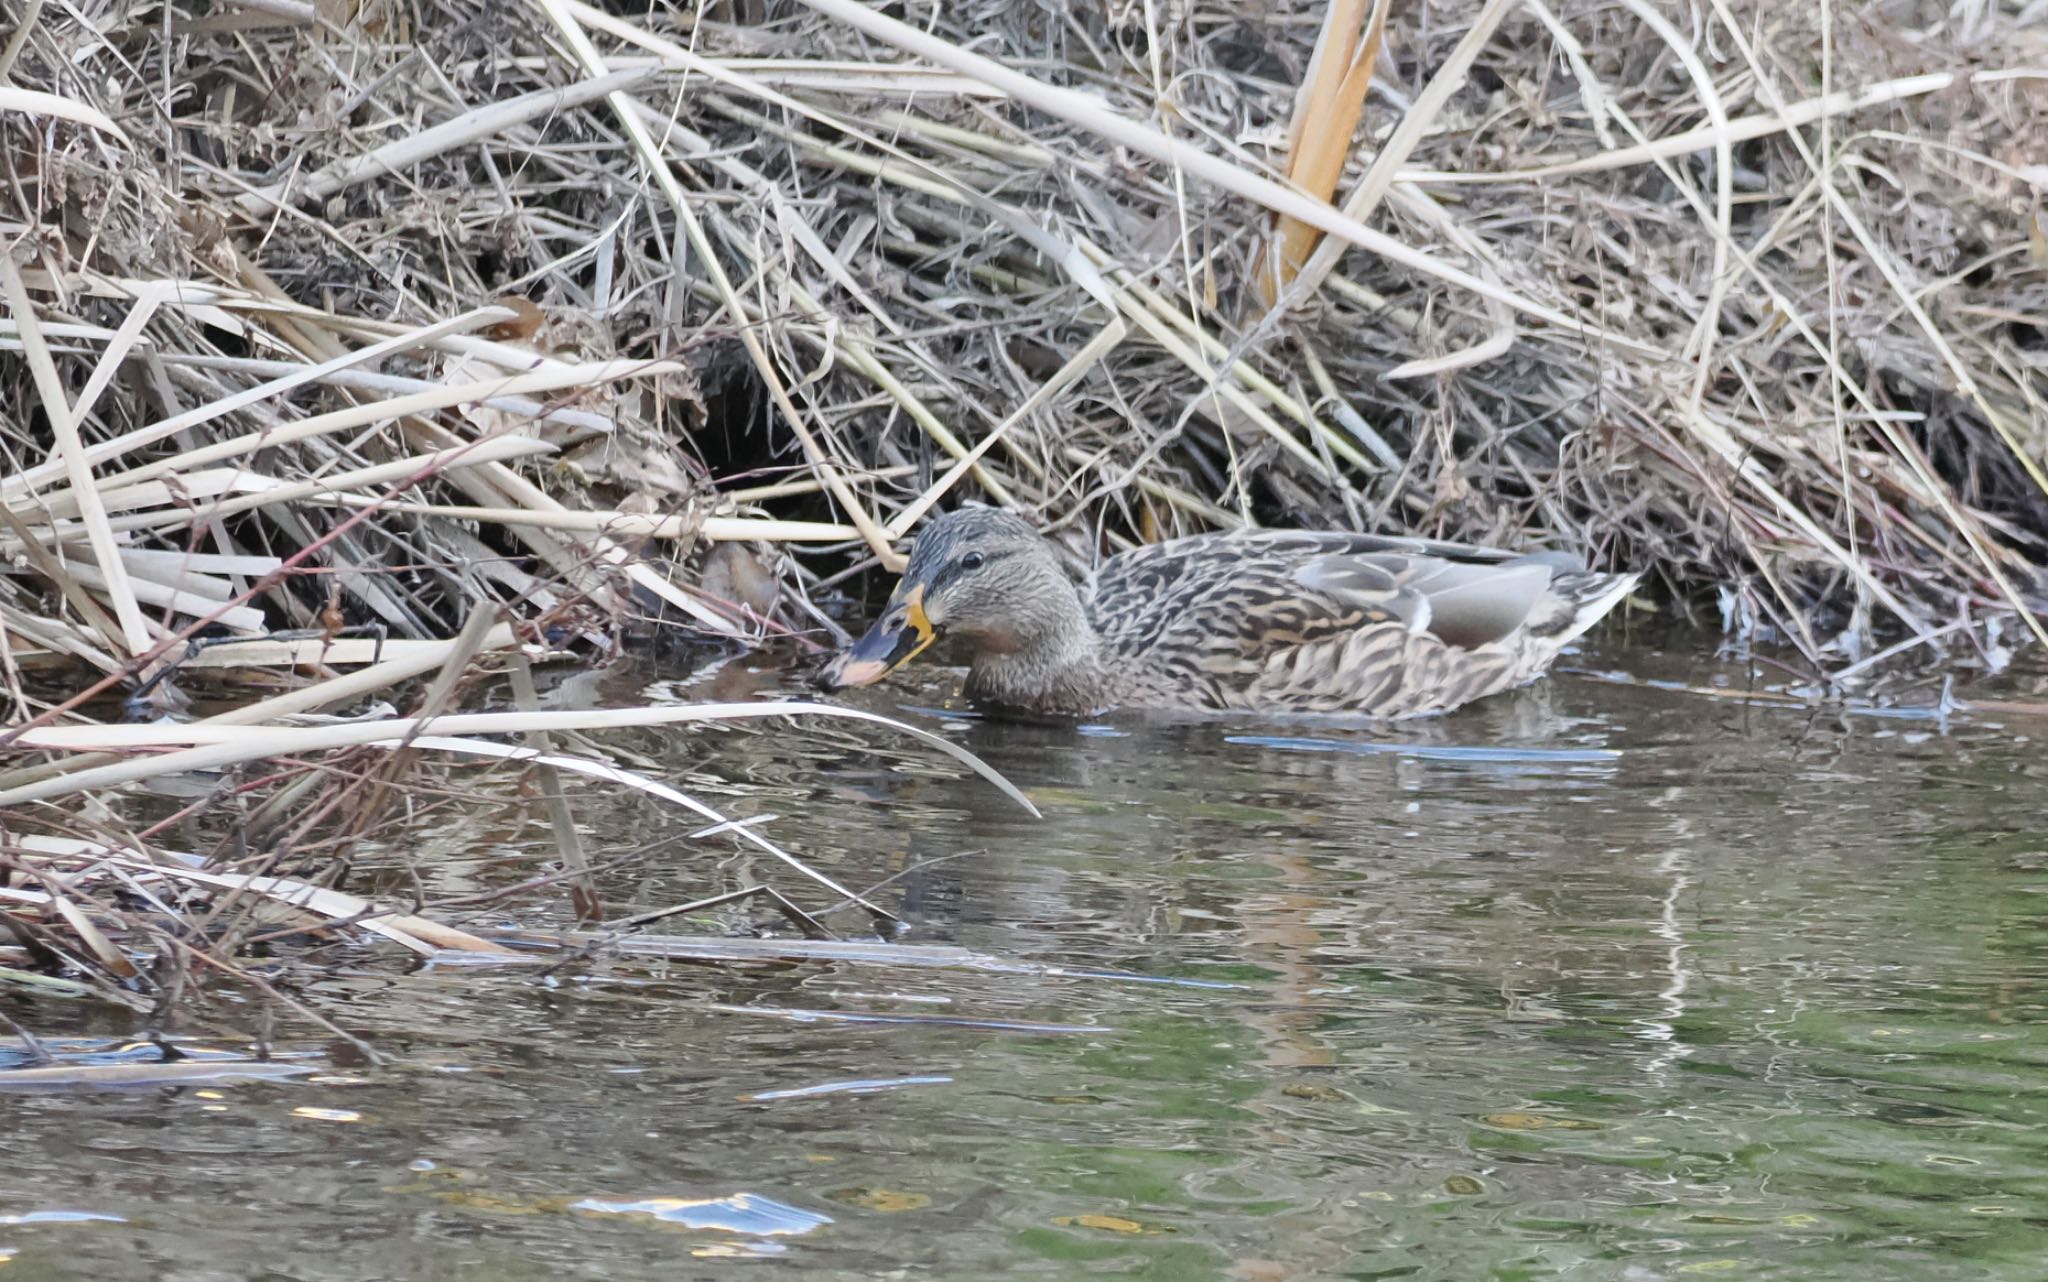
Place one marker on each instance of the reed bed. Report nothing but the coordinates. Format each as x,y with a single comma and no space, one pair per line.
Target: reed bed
386,349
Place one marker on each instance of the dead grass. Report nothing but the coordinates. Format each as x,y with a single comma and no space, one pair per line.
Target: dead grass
398,315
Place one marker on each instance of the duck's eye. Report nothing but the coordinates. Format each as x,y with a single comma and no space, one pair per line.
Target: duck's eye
972,561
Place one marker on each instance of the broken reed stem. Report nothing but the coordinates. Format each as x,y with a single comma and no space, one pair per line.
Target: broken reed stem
1325,121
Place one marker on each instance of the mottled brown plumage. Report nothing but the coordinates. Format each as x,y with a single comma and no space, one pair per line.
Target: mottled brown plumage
1284,621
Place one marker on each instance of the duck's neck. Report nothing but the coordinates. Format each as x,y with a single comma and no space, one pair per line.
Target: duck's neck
1055,671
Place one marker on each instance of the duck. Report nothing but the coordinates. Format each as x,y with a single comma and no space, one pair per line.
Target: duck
1276,621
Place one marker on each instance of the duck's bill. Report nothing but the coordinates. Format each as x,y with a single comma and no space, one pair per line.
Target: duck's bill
900,635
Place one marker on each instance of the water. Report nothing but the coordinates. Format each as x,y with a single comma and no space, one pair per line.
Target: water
1589,982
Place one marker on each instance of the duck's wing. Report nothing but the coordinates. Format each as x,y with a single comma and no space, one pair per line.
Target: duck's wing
1465,604
1270,590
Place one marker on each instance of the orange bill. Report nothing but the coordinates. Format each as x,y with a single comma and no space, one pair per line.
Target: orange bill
900,635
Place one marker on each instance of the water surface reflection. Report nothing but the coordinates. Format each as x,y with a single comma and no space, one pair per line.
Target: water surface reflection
1590,981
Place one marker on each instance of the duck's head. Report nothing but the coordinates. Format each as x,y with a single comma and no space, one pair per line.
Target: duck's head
977,573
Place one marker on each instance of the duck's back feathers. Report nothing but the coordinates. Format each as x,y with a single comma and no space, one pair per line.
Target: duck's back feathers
1330,621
